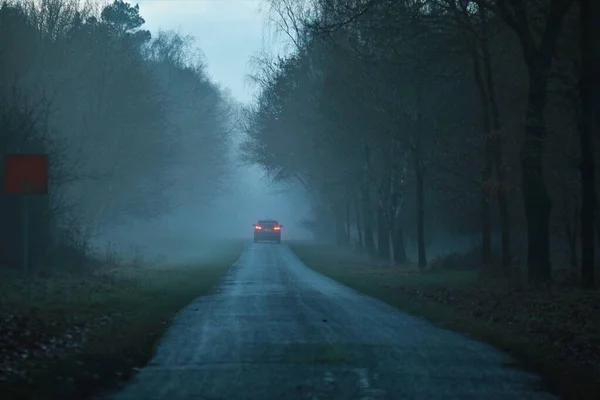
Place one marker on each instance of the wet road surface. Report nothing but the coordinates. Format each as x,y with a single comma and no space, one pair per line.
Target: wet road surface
278,330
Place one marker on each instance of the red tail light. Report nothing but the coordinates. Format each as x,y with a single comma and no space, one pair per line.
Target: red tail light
277,228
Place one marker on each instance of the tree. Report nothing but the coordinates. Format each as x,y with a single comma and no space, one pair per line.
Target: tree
474,23
590,21
420,102
129,122
122,16
538,56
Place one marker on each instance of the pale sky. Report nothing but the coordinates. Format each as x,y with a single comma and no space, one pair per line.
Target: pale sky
228,32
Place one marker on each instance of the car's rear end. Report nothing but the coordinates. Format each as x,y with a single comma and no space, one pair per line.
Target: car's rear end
267,231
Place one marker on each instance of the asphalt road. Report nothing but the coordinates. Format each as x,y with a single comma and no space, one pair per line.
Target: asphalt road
278,330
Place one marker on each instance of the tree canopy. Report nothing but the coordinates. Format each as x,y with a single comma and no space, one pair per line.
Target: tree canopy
131,122
403,118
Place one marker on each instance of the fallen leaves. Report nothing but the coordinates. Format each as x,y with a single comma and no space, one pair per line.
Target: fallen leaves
564,317
31,341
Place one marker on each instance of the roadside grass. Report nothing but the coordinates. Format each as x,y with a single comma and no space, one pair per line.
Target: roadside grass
74,336
552,331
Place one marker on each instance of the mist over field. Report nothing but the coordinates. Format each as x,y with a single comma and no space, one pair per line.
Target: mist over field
196,223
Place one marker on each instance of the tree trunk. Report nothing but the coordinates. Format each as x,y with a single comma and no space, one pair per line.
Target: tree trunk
586,128
398,250
366,204
348,231
538,204
573,242
597,218
359,231
503,208
538,58
486,179
384,211
570,227
340,230
486,221
420,178
422,254
399,247
497,154
383,235
368,223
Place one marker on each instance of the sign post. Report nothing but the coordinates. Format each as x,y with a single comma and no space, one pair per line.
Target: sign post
25,175
25,225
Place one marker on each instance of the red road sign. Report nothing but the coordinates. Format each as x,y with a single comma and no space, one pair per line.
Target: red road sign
26,174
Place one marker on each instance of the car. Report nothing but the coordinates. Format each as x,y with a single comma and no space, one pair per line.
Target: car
267,230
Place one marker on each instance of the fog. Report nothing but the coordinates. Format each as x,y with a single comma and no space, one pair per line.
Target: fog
143,141
247,194
170,132
182,233
152,153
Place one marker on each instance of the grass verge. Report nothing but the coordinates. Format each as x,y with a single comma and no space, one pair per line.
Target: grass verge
554,332
77,336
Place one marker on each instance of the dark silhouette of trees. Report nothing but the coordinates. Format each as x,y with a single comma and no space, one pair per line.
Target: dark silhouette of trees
403,118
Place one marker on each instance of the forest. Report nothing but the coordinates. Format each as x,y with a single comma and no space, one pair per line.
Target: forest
127,119
413,121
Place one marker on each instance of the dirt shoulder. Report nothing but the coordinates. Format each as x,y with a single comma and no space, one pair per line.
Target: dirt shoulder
71,336
553,331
